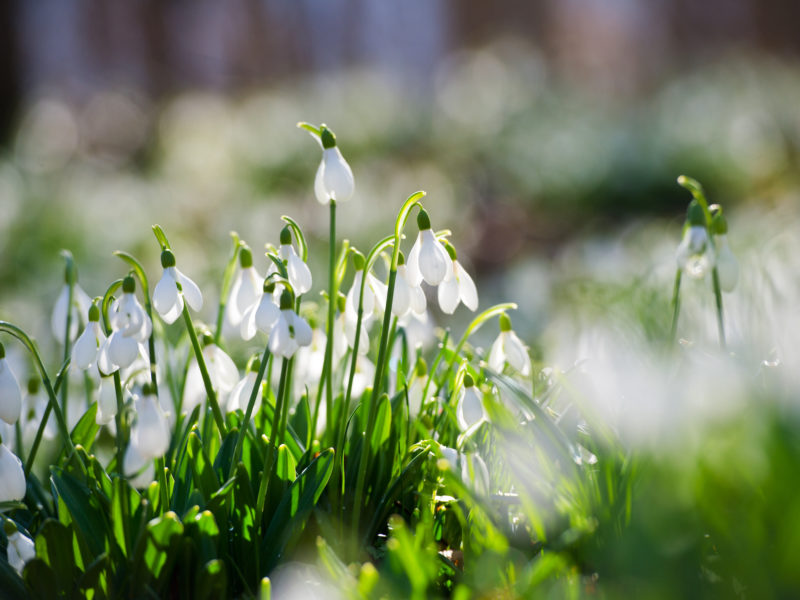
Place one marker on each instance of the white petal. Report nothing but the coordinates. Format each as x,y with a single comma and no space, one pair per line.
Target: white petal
233,314
12,477
466,287
418,301
302,330
104,364
224,373
280,340
248,328
10,394
165,295
250,290
151,433
434,262
190,290
137,468
379,291
194,390
412,263
497,356
320,191
20,550
84,352
267,314
58,320
448,295
240,395
122,351
516,353
106,402
401,302
337,178
470,408
298,271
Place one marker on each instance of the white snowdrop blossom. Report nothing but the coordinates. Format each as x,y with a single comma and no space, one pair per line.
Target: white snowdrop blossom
374,300
167,299
508,348
139,470
151,433
727,265
128,316
334,179
428,260
106,402
88,344
458,287
10,394
80,306
298,271
469,411
290,331
12,477
20,549
261,316
471,468
407,297
221,369
240,395
695,255
245,292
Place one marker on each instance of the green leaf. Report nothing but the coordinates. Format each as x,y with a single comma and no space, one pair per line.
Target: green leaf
204,476
286,466
91,524
296,505
383,423
301,419
54,547
85,432
40,579
212,581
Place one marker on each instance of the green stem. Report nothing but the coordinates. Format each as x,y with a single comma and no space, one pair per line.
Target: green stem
201,363
269,465
248,414
67,342
332,293
434,366
676,305
40,431
720,317
162,479
121,436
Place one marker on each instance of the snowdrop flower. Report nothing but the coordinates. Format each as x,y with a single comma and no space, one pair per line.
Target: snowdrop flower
139,470
374,300
10,394
428,260
334,179
221,369
470,467
240,395
290,331
508,348
167,298
80,306
261,316
298,271
695,254
470,410
245,292
131,327
151,433
407,297
84,352
12,477
106,402
458,287
20,547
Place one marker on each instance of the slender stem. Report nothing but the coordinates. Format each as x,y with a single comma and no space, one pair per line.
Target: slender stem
121,436
226,286
327,368
248,414
201,363
67,343
43,424
162,479
434,366
676,305
720,317
266,474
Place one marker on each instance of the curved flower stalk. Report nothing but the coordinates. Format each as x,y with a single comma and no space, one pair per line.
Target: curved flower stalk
150,434
80,306
458,287
334,179
10,394
298,271
245,293
12,476
428,260
167,297
695,254
290,331
509,349
470,411
20,547
221,369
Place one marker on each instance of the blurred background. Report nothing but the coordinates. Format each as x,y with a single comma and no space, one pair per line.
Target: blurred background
533,126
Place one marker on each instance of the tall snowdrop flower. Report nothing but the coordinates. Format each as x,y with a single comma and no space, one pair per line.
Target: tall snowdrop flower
298,271
407,297
261,316
80,305
375,291
106,401
727,265
221,369
84,352
246,289
20,547
167,298
334,179
470,410
131,327
10,394
459,287
12,477
151,433
240,395
695,254
428,260
508,348
290,331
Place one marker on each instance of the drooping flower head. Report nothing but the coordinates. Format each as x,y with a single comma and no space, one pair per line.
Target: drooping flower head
172,288
246,290
84,352
221,369
130,325
10,394
298,271
290,331
459,287
20,547
240,395
261,316
334,179
428,260
695,254
151,433
509,349
470,409
12,477
407,297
